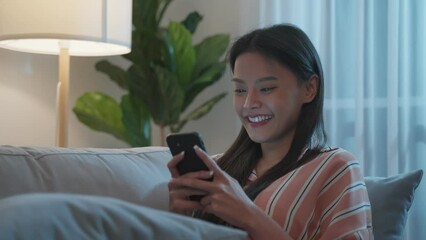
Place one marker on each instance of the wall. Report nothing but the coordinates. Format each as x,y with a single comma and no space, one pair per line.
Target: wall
28,86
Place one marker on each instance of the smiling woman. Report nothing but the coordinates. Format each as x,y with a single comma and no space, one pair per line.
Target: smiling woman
278,180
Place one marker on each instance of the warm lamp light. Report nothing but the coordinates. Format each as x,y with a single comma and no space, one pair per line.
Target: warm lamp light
66,28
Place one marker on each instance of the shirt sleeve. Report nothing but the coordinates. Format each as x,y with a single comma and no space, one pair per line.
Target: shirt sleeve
343,208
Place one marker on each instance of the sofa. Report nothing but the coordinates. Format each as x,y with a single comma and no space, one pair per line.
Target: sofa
54,193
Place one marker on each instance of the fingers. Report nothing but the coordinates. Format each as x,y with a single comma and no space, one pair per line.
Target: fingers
171,165
193,183
179,189
183,206
183,193
179,199
210,163
203,175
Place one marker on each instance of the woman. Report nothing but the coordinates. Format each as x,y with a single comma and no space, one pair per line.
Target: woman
278,180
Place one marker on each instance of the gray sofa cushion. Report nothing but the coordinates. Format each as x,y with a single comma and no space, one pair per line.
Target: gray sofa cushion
71,216
136,175
391,199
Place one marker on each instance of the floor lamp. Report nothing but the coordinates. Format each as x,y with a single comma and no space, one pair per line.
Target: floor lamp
66,28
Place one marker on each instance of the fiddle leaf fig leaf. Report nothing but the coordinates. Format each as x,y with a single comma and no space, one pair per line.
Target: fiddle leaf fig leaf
209,52
170,97
199,112
136,120
168,50
211,75
100,112
184,53
145,14
143,84
116,74
191,21
162,9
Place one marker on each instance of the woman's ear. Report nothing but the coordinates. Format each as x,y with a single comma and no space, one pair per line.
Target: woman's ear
311,88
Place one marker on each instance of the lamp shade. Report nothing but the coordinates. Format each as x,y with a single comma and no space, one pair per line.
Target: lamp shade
87,27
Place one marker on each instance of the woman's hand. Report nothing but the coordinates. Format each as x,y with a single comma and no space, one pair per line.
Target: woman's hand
224,197
179,201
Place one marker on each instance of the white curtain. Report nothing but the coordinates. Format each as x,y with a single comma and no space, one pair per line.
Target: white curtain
374,58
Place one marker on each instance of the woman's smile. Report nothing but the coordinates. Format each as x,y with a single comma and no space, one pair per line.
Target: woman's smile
258,120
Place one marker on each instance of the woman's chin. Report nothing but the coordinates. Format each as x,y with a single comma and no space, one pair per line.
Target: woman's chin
258,138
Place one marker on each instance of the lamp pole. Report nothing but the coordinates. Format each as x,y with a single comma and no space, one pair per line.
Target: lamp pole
62,95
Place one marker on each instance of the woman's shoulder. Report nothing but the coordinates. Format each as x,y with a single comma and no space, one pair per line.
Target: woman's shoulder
336,167
335,158
337,154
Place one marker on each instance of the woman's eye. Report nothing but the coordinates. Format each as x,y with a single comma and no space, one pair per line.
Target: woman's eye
267,89
239,90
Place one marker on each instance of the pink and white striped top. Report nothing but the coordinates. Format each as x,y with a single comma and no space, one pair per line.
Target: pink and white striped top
324,199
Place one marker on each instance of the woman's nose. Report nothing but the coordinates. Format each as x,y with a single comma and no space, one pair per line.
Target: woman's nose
252,100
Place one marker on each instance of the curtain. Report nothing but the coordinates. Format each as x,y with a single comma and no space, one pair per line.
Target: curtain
374,58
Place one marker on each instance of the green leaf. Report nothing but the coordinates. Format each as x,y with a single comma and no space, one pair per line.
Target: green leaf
209,51
100,112
146,48
136,120
211,75
162,9
184,53
115,73
143,84
198,112
191,21
145,13
168,50
146,45
170,97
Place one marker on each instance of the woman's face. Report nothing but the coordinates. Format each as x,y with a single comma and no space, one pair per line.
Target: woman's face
267,98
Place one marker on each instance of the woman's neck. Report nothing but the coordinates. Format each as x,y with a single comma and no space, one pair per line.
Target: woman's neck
272,153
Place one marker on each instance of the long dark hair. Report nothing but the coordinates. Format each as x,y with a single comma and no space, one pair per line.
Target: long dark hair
291,47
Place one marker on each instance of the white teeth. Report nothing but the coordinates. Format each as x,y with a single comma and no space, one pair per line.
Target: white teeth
259,118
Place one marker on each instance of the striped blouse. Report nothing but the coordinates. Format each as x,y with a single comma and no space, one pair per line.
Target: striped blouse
324,199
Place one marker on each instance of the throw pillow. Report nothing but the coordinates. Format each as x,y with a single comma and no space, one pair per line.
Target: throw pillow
390,199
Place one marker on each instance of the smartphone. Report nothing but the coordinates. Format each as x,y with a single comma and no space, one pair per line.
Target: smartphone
179,142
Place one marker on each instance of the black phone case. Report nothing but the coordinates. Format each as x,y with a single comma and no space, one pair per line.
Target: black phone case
179,142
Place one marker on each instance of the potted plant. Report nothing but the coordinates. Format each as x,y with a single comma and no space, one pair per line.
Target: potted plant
167,72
